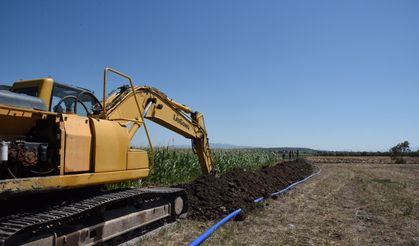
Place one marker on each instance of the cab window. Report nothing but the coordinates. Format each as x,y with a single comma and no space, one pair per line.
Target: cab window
66,99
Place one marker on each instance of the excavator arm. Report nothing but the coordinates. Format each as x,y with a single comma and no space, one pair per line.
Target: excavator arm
130,105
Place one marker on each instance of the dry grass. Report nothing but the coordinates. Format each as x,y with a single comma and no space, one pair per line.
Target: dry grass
355,204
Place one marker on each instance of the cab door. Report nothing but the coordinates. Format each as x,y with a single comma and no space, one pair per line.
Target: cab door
75,107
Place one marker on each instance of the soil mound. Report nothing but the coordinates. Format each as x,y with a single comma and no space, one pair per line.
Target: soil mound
211,197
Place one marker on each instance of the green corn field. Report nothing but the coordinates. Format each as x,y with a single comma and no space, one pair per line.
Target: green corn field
176,166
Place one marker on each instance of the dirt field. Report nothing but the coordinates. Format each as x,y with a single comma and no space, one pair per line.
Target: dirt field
360,159
358,204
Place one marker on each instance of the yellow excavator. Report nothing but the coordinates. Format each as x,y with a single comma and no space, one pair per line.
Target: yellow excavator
58,141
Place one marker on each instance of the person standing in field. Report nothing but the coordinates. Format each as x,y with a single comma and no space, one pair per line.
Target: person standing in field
283,155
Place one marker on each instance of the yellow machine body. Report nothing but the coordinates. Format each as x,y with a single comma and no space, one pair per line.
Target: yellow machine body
86,148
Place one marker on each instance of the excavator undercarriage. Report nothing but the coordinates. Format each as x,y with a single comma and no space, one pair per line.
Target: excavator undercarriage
99,217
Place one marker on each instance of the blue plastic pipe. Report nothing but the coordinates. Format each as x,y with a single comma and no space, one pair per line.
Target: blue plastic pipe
294,184
260,199
213,228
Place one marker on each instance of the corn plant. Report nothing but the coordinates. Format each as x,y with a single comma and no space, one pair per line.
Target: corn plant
176,166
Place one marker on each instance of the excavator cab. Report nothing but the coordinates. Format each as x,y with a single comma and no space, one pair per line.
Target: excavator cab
57,97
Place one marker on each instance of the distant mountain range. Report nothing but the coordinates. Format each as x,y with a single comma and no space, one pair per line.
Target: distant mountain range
229,146
232,146
286,149
218,146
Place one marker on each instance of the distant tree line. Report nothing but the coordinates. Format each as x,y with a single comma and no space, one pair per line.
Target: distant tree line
362,153
396,152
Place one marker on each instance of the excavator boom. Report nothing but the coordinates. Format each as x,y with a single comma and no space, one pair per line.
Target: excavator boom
131,105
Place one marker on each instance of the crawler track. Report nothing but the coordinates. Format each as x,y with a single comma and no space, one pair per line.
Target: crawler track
59,219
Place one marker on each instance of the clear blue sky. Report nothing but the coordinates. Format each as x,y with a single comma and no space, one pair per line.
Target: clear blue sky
337,75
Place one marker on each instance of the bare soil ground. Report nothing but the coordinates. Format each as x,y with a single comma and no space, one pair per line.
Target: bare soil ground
212,197
358,204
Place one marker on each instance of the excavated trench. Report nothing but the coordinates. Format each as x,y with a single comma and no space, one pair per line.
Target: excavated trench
212,197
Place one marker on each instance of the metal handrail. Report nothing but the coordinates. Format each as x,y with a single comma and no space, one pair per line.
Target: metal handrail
136,103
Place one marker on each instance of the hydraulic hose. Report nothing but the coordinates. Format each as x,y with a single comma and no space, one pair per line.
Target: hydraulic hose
217,225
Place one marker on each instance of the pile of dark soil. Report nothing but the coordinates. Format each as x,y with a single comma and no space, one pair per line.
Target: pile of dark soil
211,197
